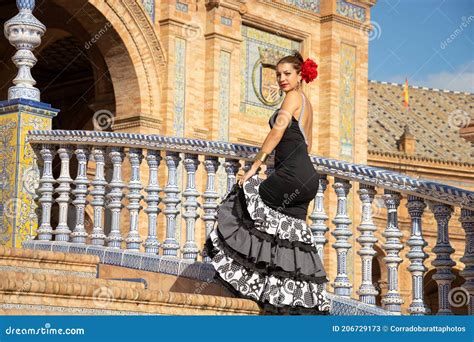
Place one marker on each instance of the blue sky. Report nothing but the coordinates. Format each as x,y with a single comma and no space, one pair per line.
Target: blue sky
410,39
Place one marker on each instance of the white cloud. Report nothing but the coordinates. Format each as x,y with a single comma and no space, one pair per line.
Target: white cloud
461,79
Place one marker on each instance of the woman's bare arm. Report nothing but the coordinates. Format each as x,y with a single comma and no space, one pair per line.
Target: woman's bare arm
282,121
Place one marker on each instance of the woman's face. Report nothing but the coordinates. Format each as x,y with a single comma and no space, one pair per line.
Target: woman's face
287,77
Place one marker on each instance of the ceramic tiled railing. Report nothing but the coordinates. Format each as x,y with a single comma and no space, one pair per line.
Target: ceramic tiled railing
93,149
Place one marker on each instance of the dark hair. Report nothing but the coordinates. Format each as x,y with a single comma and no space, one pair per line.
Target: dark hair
295,59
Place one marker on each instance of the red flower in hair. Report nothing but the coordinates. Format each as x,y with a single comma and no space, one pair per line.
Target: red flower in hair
309,70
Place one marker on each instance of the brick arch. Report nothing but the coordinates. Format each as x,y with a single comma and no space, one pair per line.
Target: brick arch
131,50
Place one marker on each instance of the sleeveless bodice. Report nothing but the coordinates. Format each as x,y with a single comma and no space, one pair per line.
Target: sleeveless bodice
293,147
298,126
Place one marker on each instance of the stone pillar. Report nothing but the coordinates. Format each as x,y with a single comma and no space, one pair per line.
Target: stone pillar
443,263
467,222
342,233
417,255
392,301
24,32
367,240
19,172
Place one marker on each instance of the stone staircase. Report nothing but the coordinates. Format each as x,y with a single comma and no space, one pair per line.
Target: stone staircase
45,282
52,282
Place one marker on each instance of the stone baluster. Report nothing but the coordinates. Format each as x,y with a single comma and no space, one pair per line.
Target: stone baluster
134,196
24,32
98,196
231,166
417,256
153,190
46,188
210,196
392,300
367,291
79,234
342,233
62,231
319,217
467,222
115,197
190,204
443,250
171,200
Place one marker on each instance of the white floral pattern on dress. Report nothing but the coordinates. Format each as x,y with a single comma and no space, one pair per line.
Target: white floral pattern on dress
277,291
271,221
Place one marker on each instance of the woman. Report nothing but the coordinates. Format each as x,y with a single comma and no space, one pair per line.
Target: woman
262,247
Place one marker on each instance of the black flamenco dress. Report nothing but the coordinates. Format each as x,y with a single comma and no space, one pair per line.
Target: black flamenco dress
262,248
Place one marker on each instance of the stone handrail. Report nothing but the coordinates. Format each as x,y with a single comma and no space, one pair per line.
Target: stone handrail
113,247
386,179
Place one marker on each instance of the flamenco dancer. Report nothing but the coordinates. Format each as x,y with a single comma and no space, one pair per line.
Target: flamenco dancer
261,246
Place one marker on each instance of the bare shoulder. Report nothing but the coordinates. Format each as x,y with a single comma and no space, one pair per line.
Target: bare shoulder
291,102
292,97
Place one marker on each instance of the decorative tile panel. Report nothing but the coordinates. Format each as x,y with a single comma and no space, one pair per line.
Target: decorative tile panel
308,5
149,6
19,174
179,87
182,7
224,89
226,21
347,84
351,11
260,51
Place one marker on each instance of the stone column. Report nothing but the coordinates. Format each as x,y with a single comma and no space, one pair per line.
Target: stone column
24,32
443,263
342,233
417,256
392,300
467,222
367,291
19,173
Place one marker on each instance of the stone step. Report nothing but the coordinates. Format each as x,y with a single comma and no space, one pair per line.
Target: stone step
44,277
171,275
20,295
46,262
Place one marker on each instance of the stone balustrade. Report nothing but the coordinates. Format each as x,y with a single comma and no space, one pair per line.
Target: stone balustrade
171,201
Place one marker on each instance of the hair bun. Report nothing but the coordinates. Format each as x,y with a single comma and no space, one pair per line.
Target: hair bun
298,55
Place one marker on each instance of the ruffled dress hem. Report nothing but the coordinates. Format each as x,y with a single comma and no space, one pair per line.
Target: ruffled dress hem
264,255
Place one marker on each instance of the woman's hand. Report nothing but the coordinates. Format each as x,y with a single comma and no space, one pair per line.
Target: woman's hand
247,175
